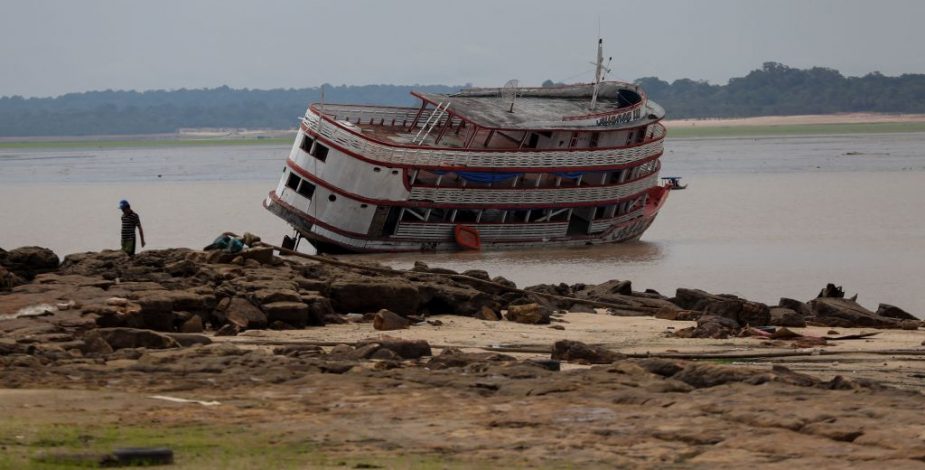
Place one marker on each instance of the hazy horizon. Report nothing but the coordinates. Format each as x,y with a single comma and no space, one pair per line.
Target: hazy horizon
51,47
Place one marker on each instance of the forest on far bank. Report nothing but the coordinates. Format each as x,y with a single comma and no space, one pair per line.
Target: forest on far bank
774,89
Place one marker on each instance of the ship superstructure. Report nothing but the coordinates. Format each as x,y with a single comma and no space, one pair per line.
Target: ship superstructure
511,166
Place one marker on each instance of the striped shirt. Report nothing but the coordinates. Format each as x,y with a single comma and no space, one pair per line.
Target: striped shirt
129,222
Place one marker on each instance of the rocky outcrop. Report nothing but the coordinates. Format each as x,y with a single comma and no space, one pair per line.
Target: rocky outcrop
840,312
122,338
532,314
29,261
367,294
742,312
710,326
386,320
892,311
780,316
242,313
576,351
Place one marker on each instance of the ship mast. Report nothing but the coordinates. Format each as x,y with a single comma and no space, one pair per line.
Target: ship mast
599,70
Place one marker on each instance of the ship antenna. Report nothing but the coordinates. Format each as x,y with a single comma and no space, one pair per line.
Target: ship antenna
509,94
599,70
321,116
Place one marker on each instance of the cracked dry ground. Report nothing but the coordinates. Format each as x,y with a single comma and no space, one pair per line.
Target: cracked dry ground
489,409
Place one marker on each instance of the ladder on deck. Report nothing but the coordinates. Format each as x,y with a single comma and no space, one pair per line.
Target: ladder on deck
431,122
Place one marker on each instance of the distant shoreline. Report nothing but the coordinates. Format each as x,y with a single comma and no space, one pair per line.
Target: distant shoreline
816,124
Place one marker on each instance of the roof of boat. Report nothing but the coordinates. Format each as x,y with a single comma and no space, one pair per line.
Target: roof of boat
558,107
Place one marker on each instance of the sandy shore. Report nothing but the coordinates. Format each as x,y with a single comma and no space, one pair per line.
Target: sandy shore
809,119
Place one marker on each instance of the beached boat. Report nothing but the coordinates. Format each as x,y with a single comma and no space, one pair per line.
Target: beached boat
479,169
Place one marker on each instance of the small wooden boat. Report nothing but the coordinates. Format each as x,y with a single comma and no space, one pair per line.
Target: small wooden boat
467,237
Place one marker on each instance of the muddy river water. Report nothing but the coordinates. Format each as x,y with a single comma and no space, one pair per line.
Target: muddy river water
762,218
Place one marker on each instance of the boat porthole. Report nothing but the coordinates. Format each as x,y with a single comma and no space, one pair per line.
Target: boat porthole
332,198
363,206
377,169
394,172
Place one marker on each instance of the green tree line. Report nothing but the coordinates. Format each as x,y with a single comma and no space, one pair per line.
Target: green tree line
774,89
160,111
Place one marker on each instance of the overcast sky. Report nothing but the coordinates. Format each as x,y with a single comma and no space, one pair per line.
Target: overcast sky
52,47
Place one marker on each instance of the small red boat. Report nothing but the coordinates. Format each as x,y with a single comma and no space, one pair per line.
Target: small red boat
467,237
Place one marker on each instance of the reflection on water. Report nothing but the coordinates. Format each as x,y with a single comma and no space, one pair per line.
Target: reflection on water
761,218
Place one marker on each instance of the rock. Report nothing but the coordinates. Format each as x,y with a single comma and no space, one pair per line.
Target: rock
741,311
831,291
841,312
710,326
477,273
910,324
122,338
532,314
245,315
700,375
891,311
193,325
487,314
156,311
575,351
504,282
677,315
320,311
452,357
280,326
581,308
266,296
658,366
182,268
780,316
192,301
696,299
386,320
10,346
293,313
9,280
95,344
406,349
372,294
623,288
802,308
190,339
229,329
383,354
441,296
263,255
29,261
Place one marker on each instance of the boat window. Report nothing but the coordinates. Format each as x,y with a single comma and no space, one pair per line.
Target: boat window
293,181
332,198
306,145
321,152
377,169
306,189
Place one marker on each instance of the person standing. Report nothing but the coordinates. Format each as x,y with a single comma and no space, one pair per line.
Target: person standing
130,220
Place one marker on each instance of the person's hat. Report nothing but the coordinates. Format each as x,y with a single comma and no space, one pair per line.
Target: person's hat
123,204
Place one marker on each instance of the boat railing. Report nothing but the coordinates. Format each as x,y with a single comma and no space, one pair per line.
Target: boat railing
487,232
445,158
502,197
381,115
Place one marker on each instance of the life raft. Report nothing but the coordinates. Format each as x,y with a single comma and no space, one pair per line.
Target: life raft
467,237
